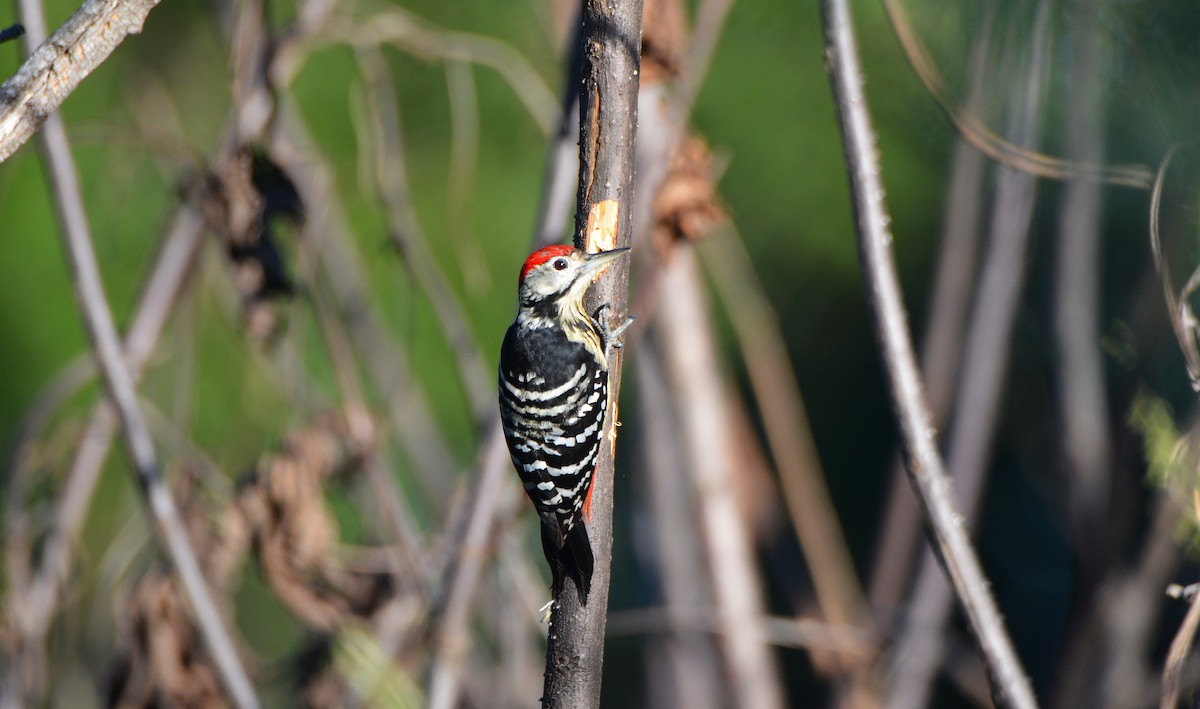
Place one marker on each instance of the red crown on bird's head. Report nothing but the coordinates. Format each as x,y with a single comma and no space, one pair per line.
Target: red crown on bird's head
542,255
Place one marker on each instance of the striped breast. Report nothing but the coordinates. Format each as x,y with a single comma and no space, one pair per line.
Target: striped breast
553,396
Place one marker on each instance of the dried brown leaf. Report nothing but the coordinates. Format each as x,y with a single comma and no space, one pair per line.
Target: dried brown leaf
687,205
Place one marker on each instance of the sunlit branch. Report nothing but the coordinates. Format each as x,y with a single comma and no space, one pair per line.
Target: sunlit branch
884,298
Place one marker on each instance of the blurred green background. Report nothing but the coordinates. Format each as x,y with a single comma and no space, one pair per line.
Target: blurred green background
150,115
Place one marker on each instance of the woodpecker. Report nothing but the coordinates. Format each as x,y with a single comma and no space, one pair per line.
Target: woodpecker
553,398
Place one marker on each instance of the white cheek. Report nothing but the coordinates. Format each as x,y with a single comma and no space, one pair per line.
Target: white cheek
553,282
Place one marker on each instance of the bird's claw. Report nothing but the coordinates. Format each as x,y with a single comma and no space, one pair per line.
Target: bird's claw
613,336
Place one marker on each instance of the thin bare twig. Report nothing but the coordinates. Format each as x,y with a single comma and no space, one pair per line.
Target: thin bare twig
450,642
886,304
899,537
119,381
800,633
52,72
984,371
976,131
562,162
460,182
1181,647
710,21
35,604
422,39
1182,316
562,168
391,177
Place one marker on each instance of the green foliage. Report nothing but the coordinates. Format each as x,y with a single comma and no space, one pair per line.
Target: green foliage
1164,448
371,672
1172,461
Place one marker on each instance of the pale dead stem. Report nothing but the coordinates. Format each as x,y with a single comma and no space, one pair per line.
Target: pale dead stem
119,382
462,575
1183,318
1078,294
806,496
688,351
684,659
391,182
35,602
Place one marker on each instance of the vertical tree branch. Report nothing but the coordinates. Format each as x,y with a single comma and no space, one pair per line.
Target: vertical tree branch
612,36
562,163
884,299
1086,440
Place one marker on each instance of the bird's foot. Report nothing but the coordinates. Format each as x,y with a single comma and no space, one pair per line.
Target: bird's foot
613,336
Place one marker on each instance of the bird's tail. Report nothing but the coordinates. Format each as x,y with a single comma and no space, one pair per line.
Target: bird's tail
573,559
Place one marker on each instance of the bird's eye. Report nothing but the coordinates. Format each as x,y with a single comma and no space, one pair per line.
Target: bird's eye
560,264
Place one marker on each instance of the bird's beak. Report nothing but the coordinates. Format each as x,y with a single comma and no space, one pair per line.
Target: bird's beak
597,262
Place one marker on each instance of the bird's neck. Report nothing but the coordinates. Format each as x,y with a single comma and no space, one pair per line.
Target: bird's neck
566,315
